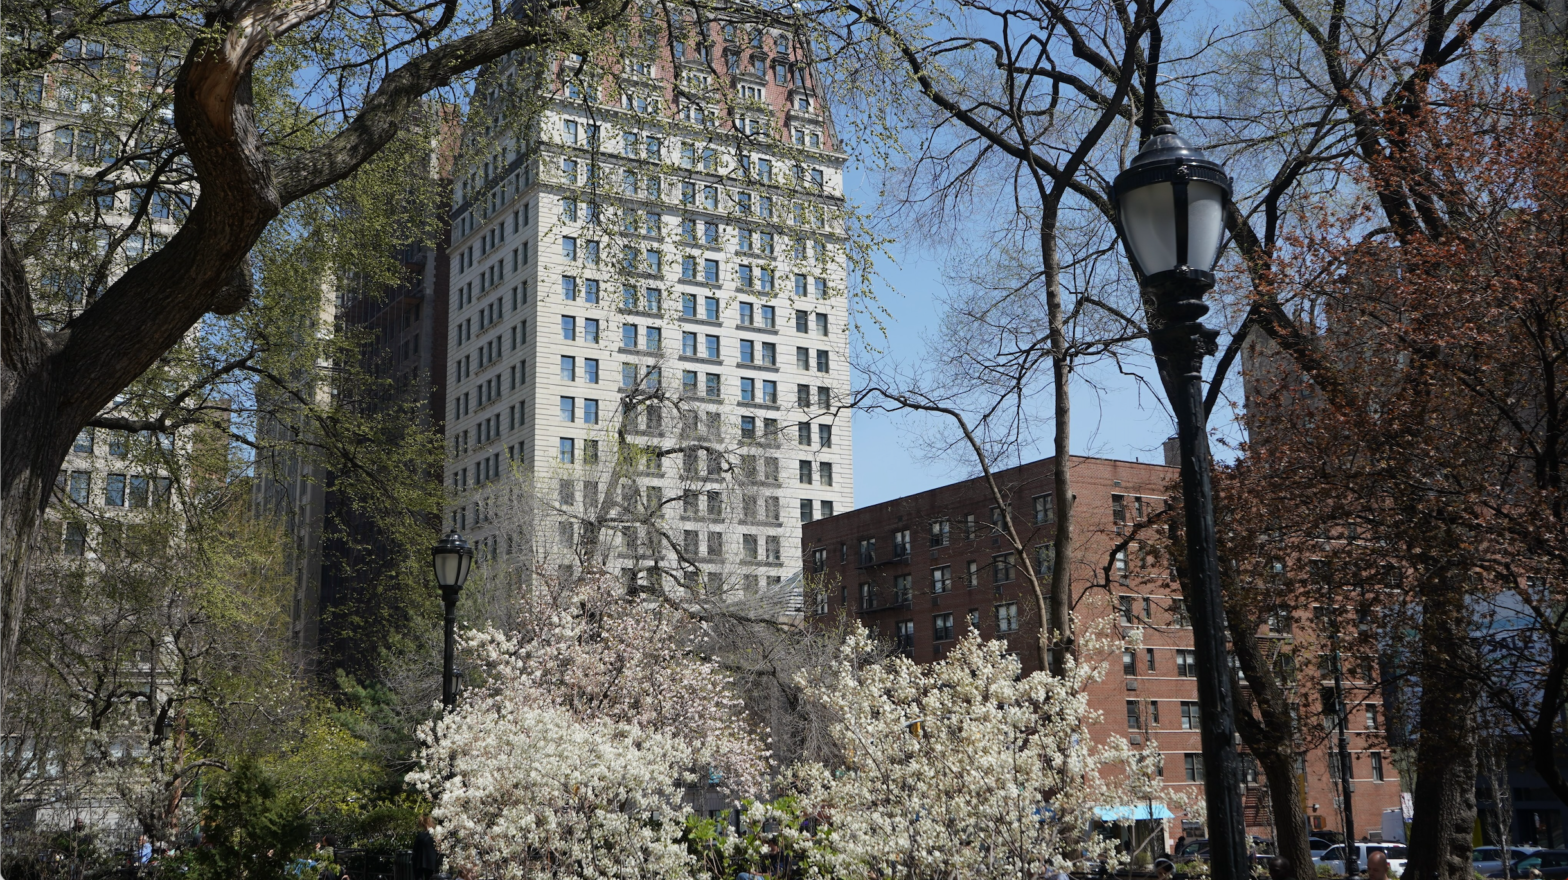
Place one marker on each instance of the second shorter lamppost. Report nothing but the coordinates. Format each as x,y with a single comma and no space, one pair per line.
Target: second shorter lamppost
1170,206
451,558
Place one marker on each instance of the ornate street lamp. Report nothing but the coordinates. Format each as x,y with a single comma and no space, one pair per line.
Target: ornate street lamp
1170,205
451,558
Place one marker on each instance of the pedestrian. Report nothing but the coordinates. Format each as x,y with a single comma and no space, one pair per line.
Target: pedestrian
1280,868
143,851
327,859
426,860
1180,841
1377,865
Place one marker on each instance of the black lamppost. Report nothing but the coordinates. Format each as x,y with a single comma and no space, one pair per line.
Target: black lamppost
451,558
1170,205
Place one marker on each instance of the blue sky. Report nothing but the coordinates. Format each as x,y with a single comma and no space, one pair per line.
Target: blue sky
1119,419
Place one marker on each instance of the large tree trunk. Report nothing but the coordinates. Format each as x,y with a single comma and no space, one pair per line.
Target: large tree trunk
1444,800
1271,737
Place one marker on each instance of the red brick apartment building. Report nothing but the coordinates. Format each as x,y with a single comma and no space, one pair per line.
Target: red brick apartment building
926,569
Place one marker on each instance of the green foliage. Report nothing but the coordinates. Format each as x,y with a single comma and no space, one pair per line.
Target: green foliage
251,830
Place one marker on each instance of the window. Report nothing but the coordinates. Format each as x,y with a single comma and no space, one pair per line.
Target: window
81,487
568,369
114,491
568,409
591,413
84,441
1126,609
901,545
904,636
822,361
748,427
710,274
1179,613
805,510
1148,654
628,336
867,597
1118,508
1002,567
1377,765
568,248
901,593
748,392
689,349
942,579
1129,661
748,352
942,627
591,371
1189,715
75,539
1134,716
569,329
1193,766
868,551
1186,663
940,536
825,436
1044,511
710,348
805,467
770,395
971,574
1007,617
1371,716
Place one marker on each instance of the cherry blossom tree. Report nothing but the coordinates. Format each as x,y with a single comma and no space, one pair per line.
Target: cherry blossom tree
962,768
570,756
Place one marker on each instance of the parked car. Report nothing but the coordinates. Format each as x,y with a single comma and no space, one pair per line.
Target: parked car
1487,859
1334,857
1552,863
1194,849
1318,845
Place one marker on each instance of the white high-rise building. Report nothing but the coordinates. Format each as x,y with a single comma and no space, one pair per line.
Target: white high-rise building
649,321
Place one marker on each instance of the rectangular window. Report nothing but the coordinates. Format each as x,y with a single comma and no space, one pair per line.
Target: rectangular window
867,597
1377,765
81,487
1134,716
1007,617
940,533
569,329
1186,663
901,544
825,469
942,627
591,371
1044,510
568,409
901,594
1189,716
1129,661
825,436
805,510
942,579
1193,766
748,390
747,352
1002,567
1371,716
114,491
1148,654
710,271
590,412
568,369
568,450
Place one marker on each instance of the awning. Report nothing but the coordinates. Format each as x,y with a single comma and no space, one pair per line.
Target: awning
1132,813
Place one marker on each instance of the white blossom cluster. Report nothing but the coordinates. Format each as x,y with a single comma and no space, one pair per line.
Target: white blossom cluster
568,758
964,768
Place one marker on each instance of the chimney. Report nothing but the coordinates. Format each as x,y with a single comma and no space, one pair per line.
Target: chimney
1172,453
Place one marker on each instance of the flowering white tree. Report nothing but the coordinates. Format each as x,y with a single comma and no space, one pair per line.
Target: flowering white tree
961,768
569,756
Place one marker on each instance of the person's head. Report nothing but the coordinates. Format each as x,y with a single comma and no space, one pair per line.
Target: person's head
1280,868
427,822
1377,865
142,839
329,841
